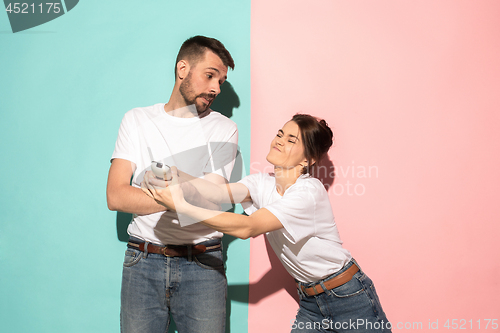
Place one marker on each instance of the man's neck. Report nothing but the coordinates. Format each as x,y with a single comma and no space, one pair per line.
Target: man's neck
181,111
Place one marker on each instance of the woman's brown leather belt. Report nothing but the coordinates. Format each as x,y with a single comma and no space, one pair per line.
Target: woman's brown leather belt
334,282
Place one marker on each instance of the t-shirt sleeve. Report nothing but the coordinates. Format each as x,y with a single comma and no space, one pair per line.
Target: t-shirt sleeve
252,182
296,212
126,143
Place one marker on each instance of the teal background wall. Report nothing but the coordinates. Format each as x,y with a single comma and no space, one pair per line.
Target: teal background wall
64,87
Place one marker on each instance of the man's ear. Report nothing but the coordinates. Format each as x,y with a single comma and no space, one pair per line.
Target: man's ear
182,69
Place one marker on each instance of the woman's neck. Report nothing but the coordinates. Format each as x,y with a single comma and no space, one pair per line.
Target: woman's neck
285,178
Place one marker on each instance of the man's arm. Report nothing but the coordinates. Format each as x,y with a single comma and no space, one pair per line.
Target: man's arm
123,197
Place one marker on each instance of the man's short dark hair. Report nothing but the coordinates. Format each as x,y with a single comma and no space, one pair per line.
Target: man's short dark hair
194,49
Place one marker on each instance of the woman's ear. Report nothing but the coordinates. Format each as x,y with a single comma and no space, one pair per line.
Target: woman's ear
306,165
310,163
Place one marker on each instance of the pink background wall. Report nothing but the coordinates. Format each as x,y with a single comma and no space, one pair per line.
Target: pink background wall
411,89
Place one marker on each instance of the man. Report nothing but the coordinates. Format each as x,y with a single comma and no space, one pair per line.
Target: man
169,269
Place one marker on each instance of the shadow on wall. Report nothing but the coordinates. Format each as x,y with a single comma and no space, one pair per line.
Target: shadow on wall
325,172
226,101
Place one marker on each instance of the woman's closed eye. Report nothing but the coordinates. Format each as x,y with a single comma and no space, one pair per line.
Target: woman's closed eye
280,135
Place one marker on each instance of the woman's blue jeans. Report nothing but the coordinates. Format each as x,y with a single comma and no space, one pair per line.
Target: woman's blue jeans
192,290
351,307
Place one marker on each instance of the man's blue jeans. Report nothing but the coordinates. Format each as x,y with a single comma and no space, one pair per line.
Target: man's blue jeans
155,287
351,307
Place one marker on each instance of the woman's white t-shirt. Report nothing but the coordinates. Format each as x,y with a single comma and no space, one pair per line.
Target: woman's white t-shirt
309,244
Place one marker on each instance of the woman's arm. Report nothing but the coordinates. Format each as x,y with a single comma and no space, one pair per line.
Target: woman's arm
237,225
216,193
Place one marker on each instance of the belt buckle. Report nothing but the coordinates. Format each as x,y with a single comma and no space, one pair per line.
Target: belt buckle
163,251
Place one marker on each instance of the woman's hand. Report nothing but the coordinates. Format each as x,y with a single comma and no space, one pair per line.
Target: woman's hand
166,193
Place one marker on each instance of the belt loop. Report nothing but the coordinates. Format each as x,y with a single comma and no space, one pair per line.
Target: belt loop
190,253
145,255
356,263
301,291
325,289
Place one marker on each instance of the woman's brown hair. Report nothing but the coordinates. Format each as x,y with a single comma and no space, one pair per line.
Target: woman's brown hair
317,138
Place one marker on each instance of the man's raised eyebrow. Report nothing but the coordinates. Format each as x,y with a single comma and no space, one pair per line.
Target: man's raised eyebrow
214,69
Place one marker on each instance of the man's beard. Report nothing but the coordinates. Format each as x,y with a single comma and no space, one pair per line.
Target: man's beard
190,97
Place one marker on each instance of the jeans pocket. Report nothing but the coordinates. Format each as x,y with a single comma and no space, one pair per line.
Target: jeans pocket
348,289
132,257
210,260
377,306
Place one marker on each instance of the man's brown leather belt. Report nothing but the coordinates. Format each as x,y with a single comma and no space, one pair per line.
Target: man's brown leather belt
173,250
334,282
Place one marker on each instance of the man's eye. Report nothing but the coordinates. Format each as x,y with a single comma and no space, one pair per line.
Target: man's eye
209,76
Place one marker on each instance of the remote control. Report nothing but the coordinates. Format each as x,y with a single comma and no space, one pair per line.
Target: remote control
161,170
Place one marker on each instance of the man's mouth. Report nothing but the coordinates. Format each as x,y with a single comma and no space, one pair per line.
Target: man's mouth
207,100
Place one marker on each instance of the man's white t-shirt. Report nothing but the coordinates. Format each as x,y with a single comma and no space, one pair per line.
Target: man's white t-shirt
309,244
194,145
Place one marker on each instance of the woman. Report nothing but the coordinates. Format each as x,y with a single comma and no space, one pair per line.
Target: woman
293,210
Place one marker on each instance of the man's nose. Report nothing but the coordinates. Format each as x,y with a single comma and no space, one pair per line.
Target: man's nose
215,88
